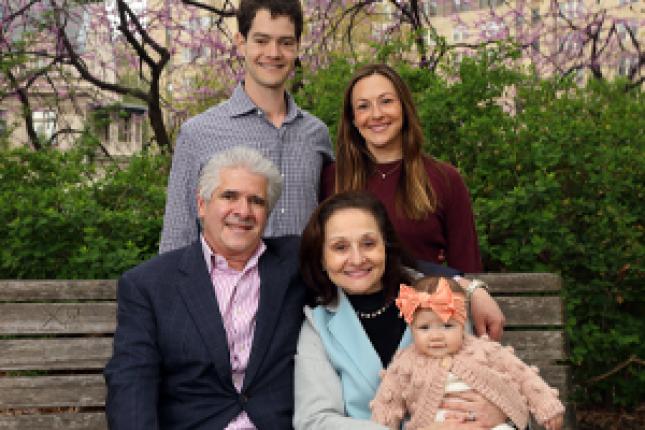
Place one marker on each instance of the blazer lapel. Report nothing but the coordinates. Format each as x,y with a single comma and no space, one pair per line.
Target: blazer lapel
359,350
274,282
196,289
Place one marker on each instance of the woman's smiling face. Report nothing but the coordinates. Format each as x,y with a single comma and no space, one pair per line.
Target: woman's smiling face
354,251
378,116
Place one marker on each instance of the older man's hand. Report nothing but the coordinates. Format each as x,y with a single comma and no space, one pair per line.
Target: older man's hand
487,317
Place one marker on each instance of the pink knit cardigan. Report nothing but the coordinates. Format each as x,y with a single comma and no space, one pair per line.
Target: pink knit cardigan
414,384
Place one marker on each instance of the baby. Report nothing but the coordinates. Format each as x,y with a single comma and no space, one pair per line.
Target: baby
444,359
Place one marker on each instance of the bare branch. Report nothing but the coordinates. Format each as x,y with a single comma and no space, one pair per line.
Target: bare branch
632,359
19,12
222,12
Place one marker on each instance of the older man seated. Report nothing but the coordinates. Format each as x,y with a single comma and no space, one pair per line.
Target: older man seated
206,334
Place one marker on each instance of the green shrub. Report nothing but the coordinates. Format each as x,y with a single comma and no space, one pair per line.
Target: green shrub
65,217
323,92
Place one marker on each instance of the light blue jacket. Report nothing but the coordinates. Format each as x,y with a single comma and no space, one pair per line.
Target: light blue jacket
351,354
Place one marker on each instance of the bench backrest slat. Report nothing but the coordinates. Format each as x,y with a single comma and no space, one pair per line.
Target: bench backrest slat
521,283
55,290
57,318
65,421
52,391
533,346
531,311
55,353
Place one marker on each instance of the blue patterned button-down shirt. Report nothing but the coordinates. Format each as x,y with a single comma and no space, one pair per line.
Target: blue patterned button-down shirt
299,148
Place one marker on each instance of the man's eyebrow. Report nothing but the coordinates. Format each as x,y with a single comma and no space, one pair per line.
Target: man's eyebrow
228,191
269,36
257,199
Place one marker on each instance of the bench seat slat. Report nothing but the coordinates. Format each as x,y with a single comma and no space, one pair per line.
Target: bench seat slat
55,354
67,421
57,318
26,290
52,391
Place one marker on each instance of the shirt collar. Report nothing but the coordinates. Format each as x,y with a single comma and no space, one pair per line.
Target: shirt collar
220,262
241,104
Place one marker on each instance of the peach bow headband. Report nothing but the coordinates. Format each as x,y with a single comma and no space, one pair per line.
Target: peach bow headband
443,302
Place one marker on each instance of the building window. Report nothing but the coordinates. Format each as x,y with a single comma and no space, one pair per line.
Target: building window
490,3
101,119
459,34
4,130
580,76
206,22
535,16
626,64
125,128
44,123
535,45
459,5
137,131
624,28
570,43
493,30
572,9
192,53
430,8
459,57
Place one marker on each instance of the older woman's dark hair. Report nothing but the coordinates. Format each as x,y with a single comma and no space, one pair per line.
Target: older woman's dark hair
321,289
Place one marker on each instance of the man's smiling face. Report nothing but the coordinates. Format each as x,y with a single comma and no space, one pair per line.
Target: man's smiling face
235,216
269,50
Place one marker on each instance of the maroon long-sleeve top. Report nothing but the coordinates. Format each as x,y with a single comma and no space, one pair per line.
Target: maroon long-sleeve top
446,236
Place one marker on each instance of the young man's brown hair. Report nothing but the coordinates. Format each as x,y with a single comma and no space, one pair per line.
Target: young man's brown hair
289,8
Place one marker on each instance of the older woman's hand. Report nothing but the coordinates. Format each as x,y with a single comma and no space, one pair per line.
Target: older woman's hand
486,314
470,407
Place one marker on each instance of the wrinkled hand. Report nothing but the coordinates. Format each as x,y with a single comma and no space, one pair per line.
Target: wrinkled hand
486,315
461,405
554,423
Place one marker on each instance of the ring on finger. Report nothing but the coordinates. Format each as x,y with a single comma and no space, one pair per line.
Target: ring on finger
471,416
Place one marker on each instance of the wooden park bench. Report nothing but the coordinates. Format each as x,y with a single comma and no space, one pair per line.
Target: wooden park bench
56,336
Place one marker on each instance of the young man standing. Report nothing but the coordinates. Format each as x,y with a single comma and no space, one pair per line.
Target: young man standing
260,114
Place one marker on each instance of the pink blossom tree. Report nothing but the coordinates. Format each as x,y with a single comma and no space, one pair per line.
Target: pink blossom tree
561,39
133,51
177,56
25,66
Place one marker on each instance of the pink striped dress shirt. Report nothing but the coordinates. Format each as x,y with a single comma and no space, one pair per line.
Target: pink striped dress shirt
238,294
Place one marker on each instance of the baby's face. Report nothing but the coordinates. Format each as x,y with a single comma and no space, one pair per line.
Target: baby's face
435,338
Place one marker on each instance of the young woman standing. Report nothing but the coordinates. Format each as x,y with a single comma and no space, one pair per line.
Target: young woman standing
378,149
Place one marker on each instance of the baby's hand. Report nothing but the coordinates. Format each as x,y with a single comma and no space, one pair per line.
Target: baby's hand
554,423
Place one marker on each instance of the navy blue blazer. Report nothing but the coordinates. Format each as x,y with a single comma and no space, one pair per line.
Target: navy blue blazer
170,367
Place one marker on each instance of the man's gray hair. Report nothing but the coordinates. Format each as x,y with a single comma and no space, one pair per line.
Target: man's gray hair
244,157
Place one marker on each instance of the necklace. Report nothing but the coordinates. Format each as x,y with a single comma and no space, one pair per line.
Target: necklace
392,170
374,314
